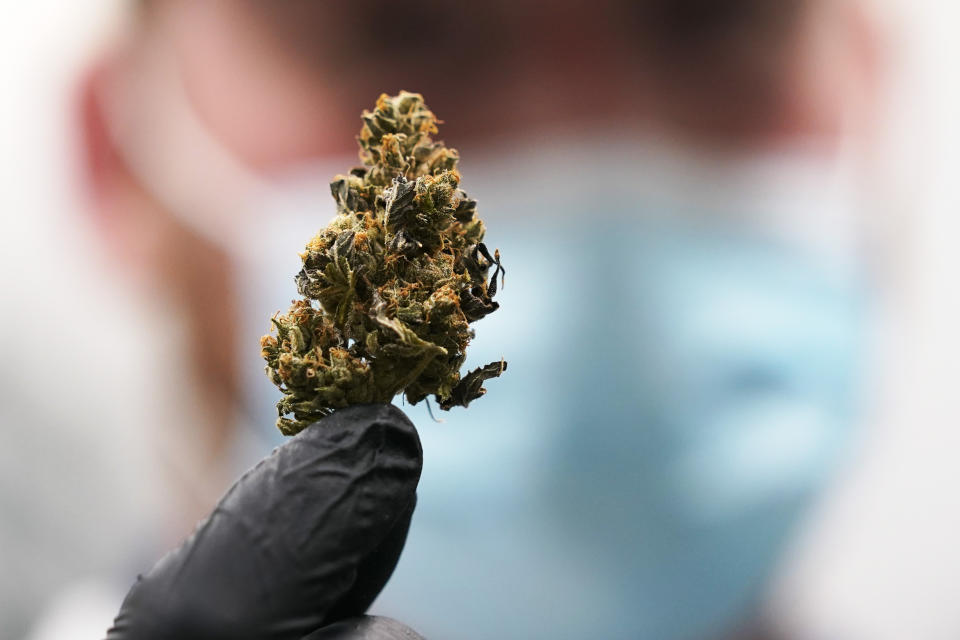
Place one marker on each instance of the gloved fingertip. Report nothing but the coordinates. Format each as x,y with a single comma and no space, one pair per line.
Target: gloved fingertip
366,628
396,433
371,436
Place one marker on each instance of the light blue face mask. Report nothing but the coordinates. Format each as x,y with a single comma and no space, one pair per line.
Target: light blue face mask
679,390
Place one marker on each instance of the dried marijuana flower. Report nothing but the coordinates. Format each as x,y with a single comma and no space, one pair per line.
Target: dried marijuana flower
389,288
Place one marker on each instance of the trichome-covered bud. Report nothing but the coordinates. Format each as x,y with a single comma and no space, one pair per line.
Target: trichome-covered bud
389,288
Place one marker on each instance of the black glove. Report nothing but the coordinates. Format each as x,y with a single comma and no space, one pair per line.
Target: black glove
298,547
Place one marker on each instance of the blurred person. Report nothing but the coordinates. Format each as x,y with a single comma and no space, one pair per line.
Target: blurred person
664,180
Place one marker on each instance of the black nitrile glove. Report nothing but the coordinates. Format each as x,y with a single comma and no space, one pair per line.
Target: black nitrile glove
298,547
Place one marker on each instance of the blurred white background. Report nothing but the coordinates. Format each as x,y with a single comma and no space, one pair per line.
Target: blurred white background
882,560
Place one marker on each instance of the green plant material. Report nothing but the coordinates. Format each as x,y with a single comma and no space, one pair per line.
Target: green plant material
390,287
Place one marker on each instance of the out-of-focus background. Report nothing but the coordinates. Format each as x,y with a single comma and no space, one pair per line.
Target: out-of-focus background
731,312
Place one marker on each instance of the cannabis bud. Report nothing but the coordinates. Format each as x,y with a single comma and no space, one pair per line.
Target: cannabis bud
389,288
